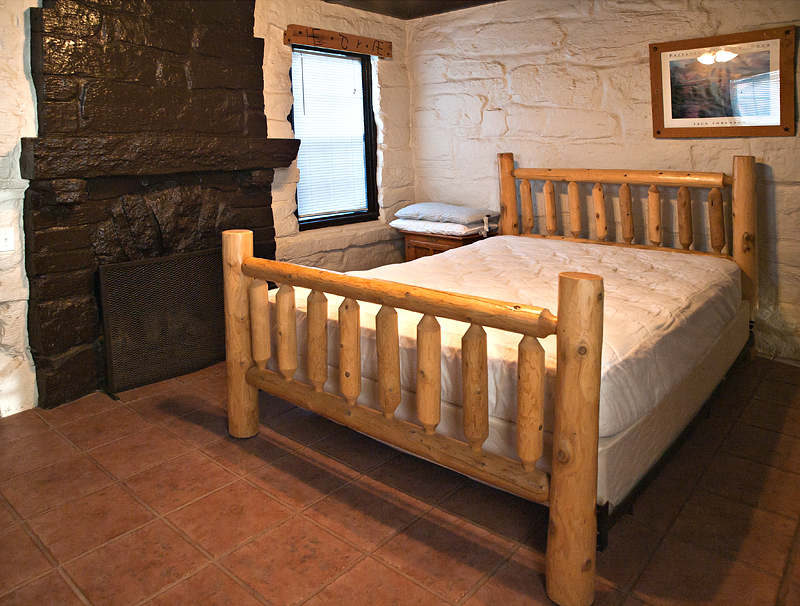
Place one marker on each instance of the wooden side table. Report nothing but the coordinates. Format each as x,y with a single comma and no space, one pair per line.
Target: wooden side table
424,245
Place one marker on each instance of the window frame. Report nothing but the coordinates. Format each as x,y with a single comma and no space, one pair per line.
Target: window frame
372,213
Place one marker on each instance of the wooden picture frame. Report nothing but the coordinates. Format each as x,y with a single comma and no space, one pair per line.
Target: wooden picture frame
700,91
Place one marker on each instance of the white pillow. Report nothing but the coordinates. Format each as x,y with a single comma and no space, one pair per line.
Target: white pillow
440,229
445,213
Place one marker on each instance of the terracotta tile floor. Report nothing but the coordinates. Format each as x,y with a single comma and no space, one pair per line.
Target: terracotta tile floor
146,500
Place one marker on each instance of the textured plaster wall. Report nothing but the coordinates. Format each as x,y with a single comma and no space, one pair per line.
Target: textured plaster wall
362,245
567,84
17,119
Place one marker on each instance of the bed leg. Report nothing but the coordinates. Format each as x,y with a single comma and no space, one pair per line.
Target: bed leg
237,245
572,533
603,526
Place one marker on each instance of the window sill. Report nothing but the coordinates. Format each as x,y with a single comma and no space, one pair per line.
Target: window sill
337,221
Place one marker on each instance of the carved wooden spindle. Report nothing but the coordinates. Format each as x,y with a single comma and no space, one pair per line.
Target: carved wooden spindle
626,213
526,202
574,197
685,232
429,372
388,344
475,378
654,215
530,401
350,350
551,218
317,341
599,199
716,220
259,323
287,331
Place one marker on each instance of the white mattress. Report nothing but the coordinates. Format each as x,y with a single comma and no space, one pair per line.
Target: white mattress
663,311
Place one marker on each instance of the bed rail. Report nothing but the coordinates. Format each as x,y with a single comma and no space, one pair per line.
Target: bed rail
741,248
571,489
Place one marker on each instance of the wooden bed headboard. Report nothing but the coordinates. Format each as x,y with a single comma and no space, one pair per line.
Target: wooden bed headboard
742,248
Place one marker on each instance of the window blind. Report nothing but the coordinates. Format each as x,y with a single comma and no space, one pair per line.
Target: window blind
329,121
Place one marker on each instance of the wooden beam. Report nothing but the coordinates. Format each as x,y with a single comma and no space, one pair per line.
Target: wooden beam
670,178
515,317
495,470
323,38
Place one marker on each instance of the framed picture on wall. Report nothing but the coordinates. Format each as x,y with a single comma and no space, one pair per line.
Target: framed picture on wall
738,85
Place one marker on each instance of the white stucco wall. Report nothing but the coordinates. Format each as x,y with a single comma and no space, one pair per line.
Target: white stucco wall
17,119
362,245
567,84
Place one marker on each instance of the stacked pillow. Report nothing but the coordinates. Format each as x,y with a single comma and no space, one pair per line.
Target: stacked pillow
445,219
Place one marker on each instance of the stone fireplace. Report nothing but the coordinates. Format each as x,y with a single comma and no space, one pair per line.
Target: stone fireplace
152,141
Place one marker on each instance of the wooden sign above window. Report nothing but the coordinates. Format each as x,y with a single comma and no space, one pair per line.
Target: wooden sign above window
322,38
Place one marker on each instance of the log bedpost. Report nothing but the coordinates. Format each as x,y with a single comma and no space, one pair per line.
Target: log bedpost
509,214
237,245
572,533
745,248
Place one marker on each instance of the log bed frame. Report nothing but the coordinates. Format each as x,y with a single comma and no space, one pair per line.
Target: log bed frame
571,488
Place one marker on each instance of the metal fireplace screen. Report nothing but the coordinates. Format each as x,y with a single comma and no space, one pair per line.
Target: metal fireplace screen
162,317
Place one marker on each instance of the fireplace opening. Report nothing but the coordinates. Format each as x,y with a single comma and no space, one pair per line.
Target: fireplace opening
162,317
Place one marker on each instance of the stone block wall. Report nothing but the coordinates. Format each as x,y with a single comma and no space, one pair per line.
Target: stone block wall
134,66
17,119
152,141
568,84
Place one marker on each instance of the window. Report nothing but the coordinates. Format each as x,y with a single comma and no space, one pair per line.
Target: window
332,116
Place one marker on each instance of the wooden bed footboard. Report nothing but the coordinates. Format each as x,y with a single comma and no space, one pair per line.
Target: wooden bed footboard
571,489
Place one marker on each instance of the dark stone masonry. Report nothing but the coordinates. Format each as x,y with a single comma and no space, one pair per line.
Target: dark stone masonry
152,141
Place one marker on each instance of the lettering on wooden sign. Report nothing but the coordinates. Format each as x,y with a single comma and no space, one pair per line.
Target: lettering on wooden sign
322,38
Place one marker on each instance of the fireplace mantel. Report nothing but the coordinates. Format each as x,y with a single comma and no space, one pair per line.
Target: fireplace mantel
68,157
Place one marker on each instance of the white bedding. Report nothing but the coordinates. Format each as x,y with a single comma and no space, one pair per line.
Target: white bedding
663,312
